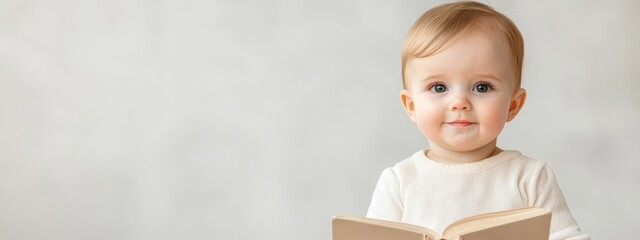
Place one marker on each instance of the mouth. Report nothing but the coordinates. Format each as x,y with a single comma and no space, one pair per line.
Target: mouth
460,123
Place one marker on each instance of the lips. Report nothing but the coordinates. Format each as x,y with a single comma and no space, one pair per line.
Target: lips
460,123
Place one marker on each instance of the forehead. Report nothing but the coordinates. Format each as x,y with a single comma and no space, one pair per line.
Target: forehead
476,52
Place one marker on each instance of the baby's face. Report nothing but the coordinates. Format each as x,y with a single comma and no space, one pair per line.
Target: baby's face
462,95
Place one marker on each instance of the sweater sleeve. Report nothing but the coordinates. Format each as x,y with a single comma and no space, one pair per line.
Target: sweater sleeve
549,196
385,202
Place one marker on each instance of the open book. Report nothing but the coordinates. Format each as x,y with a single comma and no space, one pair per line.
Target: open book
530,223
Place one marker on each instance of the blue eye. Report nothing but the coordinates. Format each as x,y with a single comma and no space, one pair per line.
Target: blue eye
439,88
482,87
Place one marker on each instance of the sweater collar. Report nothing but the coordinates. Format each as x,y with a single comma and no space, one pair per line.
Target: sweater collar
464,168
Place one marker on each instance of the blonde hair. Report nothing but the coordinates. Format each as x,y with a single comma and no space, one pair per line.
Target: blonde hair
438,26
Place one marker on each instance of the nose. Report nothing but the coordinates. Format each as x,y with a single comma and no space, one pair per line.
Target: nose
460,102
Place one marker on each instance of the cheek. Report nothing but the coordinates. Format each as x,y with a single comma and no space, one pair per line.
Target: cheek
427,108
428,113
495,114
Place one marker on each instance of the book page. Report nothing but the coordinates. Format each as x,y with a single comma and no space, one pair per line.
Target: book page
536,228
483,221
359,228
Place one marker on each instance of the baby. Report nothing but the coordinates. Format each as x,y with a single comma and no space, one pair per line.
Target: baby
461,69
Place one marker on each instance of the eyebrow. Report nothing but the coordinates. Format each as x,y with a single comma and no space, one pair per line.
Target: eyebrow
489,75
436,76
482,75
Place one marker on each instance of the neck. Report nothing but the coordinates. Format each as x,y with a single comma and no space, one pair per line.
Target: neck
444,155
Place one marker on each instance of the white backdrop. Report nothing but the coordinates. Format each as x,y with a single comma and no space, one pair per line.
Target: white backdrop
202,119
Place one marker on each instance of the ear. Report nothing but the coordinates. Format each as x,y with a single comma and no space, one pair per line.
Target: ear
516,103
407,104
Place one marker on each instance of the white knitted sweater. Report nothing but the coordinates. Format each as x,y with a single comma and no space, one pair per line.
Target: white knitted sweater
424,192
